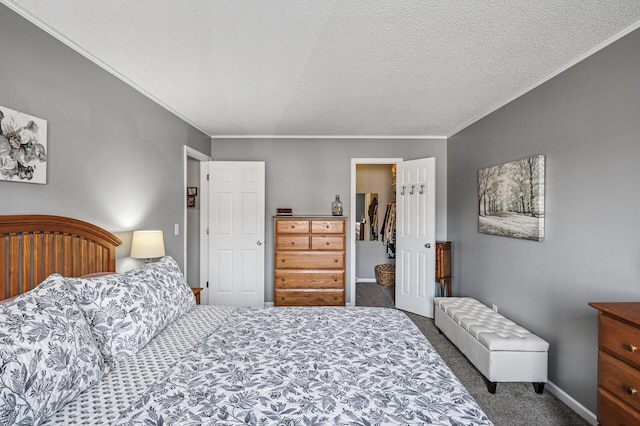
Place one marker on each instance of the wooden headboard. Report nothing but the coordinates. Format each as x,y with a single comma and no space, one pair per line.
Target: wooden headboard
32,247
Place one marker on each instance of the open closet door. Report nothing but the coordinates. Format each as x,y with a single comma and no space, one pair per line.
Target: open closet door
415,235
234,236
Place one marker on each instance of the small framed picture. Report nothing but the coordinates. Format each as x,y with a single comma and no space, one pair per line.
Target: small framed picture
191,200
192,190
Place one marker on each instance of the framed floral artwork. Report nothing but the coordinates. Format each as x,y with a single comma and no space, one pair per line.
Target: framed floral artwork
511,199
23,147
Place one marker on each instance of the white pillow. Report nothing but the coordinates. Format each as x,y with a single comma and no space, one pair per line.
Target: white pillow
47,352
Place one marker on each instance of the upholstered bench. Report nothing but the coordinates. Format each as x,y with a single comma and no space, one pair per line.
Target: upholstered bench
499,348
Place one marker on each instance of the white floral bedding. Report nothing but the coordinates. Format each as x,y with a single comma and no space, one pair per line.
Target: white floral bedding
129,379
308,366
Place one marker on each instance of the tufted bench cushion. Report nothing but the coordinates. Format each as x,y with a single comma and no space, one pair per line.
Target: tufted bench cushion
497,346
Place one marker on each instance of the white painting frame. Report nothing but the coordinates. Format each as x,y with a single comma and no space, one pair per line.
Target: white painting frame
511,199
23,147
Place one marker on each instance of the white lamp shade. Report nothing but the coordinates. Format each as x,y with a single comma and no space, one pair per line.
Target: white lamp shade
147,244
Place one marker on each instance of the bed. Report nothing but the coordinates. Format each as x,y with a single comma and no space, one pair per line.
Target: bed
83,345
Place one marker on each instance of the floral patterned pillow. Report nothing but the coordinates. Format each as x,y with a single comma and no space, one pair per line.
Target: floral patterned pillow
122,310
127,310
175,295
47,353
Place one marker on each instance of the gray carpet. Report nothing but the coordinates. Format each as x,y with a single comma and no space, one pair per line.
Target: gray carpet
512,404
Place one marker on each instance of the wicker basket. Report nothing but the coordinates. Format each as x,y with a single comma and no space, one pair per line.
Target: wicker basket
386,274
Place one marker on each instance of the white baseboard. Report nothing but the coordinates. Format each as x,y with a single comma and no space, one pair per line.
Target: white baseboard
365,280
572,403
268,304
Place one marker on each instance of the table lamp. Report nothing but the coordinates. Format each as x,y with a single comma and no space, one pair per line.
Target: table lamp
147,245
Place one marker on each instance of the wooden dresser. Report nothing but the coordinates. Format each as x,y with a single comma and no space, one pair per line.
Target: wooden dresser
309,260
618,363
443,266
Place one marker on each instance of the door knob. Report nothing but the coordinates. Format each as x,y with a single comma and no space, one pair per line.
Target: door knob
260,243
428,245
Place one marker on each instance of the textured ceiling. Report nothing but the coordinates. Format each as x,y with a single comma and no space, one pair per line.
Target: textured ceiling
333,68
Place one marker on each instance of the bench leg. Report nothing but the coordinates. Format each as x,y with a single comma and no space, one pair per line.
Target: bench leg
491,386
538,386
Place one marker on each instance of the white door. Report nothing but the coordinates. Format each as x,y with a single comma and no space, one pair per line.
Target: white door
415,235
234,255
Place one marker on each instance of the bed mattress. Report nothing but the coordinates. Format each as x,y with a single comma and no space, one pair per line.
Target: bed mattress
224,366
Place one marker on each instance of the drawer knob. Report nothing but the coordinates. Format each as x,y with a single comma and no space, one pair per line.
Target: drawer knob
283,260
327,242
282,298
630,347
282,279
335,260
292,243
630,390
327,226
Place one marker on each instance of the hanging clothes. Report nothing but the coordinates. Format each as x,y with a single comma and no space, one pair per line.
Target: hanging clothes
373,218
388,231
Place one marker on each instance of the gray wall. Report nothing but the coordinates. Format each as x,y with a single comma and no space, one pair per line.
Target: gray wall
586,121
307,174
115,157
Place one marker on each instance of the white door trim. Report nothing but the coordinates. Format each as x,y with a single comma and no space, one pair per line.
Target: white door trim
352,220
196,155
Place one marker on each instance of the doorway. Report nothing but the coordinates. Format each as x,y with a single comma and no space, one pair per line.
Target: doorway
191,226
414,236
371,250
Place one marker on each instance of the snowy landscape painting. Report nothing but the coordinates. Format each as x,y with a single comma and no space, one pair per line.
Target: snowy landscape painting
511,199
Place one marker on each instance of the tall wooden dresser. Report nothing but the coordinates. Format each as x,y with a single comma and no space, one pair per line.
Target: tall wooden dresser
618,363
309,259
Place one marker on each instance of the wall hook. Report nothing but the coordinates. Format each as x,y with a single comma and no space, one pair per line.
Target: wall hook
403,187
421,189
412,188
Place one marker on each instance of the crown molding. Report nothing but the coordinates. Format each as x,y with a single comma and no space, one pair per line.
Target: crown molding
79,49
560,70
396,137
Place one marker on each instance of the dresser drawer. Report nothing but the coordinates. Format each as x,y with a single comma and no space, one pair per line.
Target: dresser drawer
613,412
327,226
309,260
292,226
620,379
327,243
308,298
292,242
308,279
619,339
